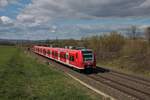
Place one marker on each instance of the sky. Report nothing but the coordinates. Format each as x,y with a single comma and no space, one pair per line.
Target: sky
51,19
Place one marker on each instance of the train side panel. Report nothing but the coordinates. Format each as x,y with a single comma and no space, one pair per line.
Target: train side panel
73,58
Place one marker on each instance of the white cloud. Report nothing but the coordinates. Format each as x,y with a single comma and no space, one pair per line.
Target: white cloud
145,4
6,24
43,11
5,20
4,3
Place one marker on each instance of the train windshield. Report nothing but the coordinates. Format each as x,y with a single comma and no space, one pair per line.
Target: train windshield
87,55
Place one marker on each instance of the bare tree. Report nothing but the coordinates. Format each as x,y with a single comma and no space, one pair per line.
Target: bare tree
147,33
133,32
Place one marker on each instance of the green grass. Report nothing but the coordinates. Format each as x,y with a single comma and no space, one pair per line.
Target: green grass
125,66
23,78
5,53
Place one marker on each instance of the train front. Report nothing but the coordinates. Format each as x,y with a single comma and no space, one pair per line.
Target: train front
89,59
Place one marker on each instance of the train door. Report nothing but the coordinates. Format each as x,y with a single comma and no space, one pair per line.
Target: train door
44,52
58,55
49,53
67,57
77,59
72,59
53,54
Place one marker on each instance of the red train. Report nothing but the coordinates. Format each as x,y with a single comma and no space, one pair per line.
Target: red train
79,58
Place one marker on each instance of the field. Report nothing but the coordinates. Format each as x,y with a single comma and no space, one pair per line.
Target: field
23,78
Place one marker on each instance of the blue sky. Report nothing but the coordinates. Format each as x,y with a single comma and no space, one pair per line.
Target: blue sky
48,19
13,9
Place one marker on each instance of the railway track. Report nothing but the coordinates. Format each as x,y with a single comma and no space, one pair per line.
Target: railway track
123,87
118,85
138,79
131,78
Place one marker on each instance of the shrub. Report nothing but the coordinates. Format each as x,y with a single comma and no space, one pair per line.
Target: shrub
136,49
106,46
136,55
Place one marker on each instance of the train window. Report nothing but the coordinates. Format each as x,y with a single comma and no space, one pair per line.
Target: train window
71,58
49,52
87,55
86,52
53,53
44,51
59,54
63,56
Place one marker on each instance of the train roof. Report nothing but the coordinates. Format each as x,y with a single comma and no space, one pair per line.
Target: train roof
66,49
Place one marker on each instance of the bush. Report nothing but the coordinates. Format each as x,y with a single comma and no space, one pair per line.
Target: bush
135,56
106,46
135,49
110,45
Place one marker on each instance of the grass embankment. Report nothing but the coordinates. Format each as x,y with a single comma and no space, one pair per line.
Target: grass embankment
133,58
23,78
